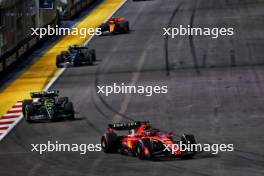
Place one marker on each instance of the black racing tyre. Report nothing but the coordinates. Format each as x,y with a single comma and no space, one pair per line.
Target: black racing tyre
24,104
68,108
29,111
62,100
89,59
104,27
122,27
143,149
188,139
59,60
109,143
77,63
126,28
92,53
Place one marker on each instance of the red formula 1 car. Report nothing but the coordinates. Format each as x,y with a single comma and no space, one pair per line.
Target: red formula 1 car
144,141
115,26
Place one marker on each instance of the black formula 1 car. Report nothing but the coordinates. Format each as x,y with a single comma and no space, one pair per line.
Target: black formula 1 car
115,26
144,141
76,56
47,105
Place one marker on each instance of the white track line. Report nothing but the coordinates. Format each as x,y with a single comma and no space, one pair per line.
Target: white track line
5,125
18,104
15,109
8,120
12,114
11,126
133,81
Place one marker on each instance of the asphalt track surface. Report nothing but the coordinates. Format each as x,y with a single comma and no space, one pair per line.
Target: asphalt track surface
215,92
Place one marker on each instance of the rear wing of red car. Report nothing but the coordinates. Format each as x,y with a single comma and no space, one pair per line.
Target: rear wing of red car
126,126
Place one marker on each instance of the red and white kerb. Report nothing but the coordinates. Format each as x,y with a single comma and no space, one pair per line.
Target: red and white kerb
9,120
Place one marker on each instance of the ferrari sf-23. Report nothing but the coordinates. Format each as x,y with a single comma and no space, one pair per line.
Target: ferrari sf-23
144,141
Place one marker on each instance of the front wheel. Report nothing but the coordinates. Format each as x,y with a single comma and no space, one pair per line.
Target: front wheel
188,139
143,149
127,28
29,111
69,109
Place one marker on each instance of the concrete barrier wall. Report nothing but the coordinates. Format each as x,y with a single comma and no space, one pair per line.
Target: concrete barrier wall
73,8
18,46
20,50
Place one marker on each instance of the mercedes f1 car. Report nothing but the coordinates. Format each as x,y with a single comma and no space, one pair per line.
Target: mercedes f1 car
76,56
115,26
144,141
47,106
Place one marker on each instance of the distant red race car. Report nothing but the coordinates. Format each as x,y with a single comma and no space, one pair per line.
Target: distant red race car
144,141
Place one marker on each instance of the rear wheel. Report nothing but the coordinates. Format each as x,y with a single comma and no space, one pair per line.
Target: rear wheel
143,149
109,143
